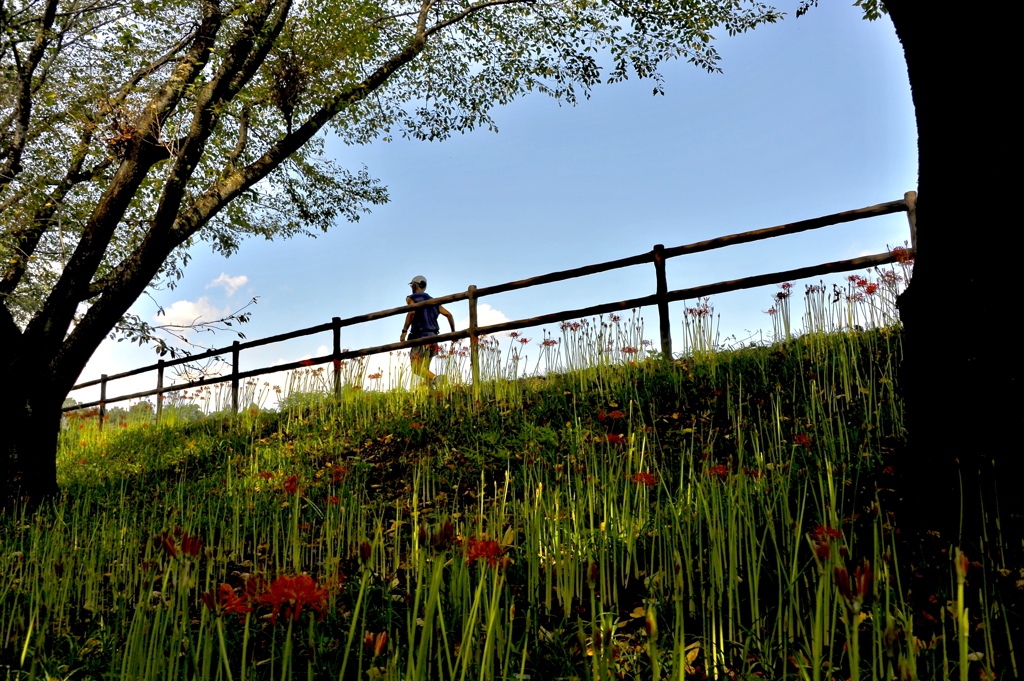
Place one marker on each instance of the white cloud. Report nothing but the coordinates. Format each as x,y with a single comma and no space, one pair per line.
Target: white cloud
485,316
186,312
230,284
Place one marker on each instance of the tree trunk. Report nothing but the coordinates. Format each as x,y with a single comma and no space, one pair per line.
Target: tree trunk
31,405
960,376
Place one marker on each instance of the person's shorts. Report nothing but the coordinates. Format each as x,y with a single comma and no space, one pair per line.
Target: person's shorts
421,352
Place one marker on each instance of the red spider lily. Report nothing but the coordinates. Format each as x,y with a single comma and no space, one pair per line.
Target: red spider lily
225,601
374,377
549,342
190,545
871,288
721,471
772,311
645,478
854,588
786,286
167,543
513,334
485,549
291,484
614,439
629,350
571,326
902,255
365,551
616,414
291,594
824,533
961,563
444,537
801,440
615,319
375,643
266,475
338,473
601,416
333,500
524,340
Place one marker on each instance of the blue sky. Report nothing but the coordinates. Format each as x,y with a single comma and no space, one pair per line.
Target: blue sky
811,116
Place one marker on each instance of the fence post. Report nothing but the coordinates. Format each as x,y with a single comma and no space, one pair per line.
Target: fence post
662,292
474,354
336,356
103,399
159,389
234,377
910,198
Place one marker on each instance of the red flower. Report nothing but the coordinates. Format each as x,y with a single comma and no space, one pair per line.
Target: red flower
266,475
615,319
225,600
616,414
615,439
871,288
601,416
548,342
486,549
721,471
291,484
646,479
365,551
374,377
824,534
168,544
333,500
801,440
291,594
191,545
338,474
854,588
444,536
902,255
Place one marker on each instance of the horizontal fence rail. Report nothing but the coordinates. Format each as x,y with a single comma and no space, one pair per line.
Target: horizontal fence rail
661,298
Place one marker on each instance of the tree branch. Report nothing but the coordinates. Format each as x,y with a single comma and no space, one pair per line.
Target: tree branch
473,9
142,153
23,102
152,67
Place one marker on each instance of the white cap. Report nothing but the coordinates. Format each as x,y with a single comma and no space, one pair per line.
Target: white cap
419,280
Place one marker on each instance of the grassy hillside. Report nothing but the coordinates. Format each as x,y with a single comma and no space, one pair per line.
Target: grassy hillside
726,515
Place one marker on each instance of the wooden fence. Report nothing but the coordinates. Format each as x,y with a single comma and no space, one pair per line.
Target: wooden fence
661,298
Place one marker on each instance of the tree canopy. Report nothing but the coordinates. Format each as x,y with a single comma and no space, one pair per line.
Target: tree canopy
132,131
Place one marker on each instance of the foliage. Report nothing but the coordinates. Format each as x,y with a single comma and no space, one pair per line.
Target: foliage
726,513
131,131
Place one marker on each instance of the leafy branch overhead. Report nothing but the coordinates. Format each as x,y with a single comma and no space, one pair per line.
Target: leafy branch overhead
132,130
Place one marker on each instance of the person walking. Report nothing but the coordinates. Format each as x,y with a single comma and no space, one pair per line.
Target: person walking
422,323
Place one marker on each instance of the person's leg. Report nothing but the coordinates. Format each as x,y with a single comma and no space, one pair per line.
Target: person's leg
419,357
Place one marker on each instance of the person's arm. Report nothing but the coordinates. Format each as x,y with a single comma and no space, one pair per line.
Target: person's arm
408,319
448,316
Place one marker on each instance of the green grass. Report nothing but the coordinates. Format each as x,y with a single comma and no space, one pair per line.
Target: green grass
720,516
